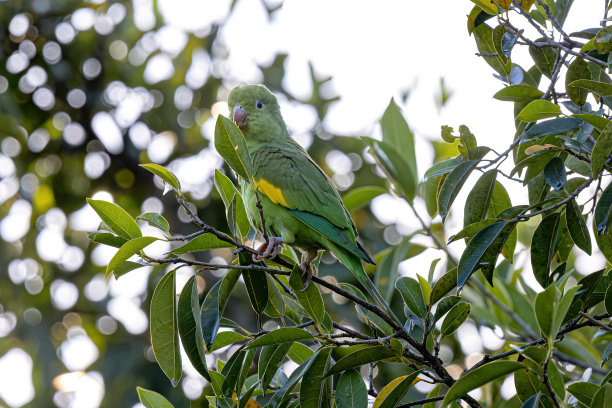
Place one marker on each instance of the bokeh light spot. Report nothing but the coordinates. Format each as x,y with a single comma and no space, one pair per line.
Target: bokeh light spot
64,294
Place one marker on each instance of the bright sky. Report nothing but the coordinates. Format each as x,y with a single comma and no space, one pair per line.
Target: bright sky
373,51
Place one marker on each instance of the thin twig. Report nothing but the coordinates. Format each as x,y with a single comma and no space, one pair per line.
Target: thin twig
571,360
555,22
420,402
574,325
598,323
574,194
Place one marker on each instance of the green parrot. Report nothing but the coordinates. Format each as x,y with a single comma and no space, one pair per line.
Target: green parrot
300,204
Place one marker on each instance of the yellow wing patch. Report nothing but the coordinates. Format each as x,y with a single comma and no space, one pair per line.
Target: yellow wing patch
271,191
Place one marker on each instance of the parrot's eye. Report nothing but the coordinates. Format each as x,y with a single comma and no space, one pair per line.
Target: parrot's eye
259,105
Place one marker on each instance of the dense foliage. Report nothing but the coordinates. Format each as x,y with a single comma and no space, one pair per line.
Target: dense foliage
241,328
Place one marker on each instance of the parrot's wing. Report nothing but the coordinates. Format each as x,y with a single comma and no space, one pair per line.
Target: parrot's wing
331,232
289,177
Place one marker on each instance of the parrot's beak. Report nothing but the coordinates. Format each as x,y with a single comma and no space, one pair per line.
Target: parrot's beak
241,117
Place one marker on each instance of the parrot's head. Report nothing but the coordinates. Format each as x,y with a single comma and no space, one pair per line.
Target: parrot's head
256,112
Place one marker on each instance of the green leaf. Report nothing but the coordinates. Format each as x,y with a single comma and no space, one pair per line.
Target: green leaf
476,248
313,384
551,127
528,383
425,286
218,382
577,226
597,87
131,247
164,328
151,399
155,220
607,354
478,377
282,335
445,305
166,175
445,284
351,391
126,267
392,393
201,243
544,306
360,196
603,40
544,58
393,164
602,398
225,338
359,357
429,193
411,292
299,353
485,43
116,218
470,230
455,318
256,284
601,217
608,299
543,247
562,8
190,328
396,133
518,93
283,393
601,151
554,173
225,188
536,162
231,145
599,122
231,371
242,376
477,202
310,298
236,212
532,402
441,168
107,238
214,305
604,243
577,70
539,109
276,304
583,391
556,379
486,6
452,185
270,360
468,146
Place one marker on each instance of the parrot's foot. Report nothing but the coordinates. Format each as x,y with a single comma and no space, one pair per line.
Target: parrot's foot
269,250
307,269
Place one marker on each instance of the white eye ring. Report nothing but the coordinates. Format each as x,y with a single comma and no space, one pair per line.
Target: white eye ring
259,105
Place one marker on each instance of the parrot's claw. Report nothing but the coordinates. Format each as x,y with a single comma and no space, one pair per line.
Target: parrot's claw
306,270
269,250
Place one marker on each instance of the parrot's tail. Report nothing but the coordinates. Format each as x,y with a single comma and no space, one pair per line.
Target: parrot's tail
353,263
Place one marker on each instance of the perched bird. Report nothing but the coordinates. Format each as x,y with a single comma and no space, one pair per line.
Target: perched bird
300,204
